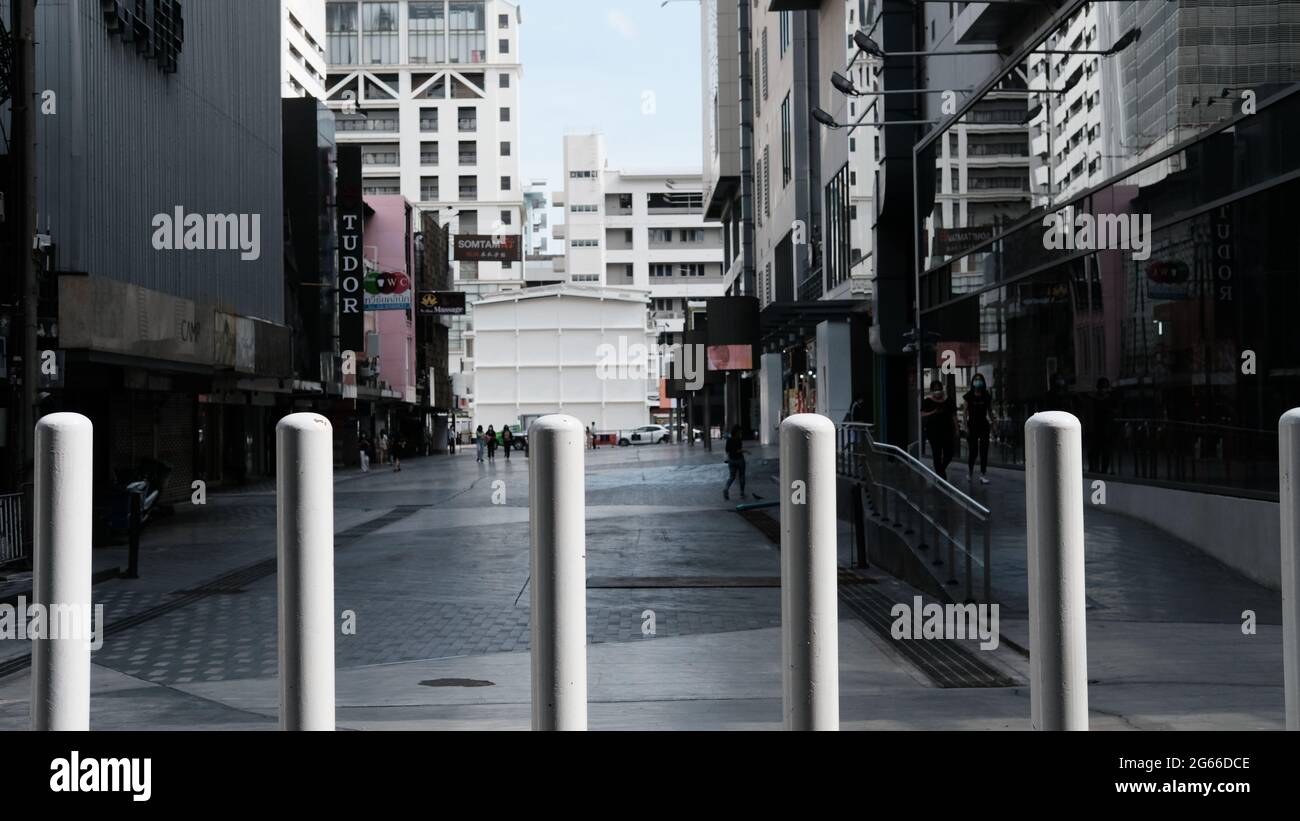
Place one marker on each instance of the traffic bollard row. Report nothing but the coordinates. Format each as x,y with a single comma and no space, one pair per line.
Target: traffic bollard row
809,620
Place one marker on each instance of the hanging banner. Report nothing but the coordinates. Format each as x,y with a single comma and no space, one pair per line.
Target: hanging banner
351,297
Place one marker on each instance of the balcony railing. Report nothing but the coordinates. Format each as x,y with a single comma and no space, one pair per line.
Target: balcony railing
812,288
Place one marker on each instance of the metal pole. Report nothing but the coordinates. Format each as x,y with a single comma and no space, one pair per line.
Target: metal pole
556,510
305,541
1058,656
1289,495
61,571
133,544
809,620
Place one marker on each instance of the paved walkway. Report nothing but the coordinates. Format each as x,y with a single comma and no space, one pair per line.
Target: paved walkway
436,571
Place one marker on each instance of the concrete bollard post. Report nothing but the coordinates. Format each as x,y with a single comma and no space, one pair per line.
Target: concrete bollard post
558,531
304,486
809,576
61,572
1058,653
1288,430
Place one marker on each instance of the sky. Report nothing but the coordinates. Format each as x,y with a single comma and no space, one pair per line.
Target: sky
629,69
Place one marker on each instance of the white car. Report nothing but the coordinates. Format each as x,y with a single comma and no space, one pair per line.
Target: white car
646,435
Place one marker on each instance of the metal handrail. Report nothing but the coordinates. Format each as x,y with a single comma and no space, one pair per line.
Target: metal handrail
942,484
905,500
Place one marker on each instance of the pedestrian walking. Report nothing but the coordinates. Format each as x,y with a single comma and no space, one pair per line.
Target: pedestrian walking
735,462
978,410
480,442
507,439
363,451
491,437
451,441
383,446
591,431
399,445
939,416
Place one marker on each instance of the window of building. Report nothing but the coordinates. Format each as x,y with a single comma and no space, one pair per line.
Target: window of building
505,149
468,154
585,243
429,154
660,269
426,25
467,118
691,269
467,41
503,80
380,154
758,72
505,114
505,183
503,21
468,190
429,120
767,181
506,217
503,46
661,235
786,35
786,151
379,40
692,235
381,185
583,209
627,237
428,188
582,175
467,221
341,33
764,64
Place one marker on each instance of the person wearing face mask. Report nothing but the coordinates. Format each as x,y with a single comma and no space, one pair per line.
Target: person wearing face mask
939,415
978,410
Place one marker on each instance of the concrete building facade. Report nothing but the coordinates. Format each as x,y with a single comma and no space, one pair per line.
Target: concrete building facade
642,230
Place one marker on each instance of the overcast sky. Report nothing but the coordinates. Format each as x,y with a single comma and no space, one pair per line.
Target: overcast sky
627,68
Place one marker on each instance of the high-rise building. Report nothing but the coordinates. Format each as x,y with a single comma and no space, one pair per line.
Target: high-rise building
430,89
638,229
302,61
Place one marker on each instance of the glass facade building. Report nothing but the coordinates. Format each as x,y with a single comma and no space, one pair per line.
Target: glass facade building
1177,346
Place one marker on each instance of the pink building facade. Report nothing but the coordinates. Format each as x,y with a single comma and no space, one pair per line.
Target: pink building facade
390,255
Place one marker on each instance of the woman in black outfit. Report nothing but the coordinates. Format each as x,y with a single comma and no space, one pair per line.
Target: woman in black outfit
939,415
979,424
735,463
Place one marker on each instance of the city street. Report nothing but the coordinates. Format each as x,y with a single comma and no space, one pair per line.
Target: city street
436,575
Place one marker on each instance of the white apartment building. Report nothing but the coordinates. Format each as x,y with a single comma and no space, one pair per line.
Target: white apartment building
637,230
430,89
1067,147
302,61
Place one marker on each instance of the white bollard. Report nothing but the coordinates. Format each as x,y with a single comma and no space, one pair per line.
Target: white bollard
809,575
1058,651
62,571
304,486
556,510
1288,436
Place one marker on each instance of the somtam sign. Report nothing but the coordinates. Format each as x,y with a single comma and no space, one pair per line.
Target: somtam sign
387,292
487,248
